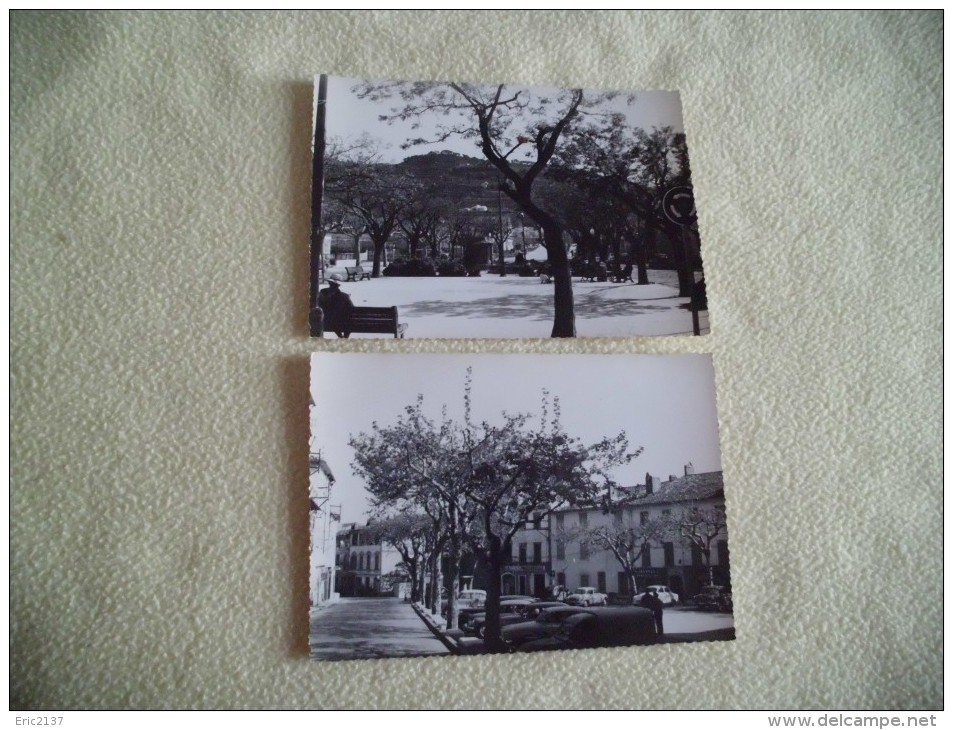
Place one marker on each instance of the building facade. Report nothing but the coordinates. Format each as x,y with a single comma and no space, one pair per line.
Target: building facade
365,566
689,552
323,522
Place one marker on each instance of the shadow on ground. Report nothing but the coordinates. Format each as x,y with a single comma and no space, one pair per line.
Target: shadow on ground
587,305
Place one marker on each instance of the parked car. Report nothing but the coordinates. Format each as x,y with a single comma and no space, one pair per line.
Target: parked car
511,611
599,627
587,597
470,598
665,595
527,612
545,624
713,598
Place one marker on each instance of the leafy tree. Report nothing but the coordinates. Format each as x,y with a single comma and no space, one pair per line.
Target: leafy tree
488,480
635,167
627,541
503,120
408,532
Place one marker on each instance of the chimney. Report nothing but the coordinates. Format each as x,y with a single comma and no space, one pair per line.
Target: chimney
672,477
649,483
689,469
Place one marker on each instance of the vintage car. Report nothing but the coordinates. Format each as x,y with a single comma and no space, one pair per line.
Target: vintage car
517,614
664,593
596,627
713,598
511,609
545,624
586,597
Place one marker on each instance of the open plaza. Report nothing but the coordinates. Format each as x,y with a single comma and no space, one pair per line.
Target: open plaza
516,306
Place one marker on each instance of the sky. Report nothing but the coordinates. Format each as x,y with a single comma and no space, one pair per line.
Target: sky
664,403
348,118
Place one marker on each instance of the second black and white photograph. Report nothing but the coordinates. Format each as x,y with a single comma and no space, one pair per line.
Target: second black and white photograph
472,504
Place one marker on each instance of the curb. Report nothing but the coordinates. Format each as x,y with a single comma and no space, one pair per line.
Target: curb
451,645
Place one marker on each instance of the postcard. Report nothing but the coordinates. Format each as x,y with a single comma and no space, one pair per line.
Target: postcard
497,211
483,503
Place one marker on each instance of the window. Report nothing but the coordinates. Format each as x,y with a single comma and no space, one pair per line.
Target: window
696,555
561,579
646,556
643,517
560,519
522,552
537,522
377,561
560,551
601,581
666,513
669,550
537,552
583,519
360,561
353,561
583,580
623,583
617,519
583,550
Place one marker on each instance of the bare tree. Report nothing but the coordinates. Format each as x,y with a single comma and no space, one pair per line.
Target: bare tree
627,541
700,527
375,194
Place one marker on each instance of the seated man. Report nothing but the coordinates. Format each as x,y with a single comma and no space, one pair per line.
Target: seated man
337,307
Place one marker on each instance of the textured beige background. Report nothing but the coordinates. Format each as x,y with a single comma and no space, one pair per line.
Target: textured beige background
159,259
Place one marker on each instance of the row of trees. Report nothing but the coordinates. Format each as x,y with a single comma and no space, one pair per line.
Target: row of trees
568,163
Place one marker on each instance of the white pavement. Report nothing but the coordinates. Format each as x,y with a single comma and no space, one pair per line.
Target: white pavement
514,306
365,628
682,621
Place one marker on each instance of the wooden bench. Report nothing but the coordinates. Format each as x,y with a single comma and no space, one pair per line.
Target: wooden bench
356,273
370,320
377,320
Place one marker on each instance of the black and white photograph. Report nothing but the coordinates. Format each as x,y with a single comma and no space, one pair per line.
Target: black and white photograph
447,210
497,503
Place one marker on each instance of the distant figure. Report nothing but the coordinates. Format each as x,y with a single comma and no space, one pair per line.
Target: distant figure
337,307
652,602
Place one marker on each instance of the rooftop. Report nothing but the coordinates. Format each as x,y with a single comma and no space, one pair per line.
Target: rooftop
686,489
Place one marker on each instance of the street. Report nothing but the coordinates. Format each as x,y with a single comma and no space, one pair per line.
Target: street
366,628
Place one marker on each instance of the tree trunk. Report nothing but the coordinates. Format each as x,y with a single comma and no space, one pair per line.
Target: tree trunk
434,603
495,560
453,568
378,251
642,255
414,585
502,265
564,318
